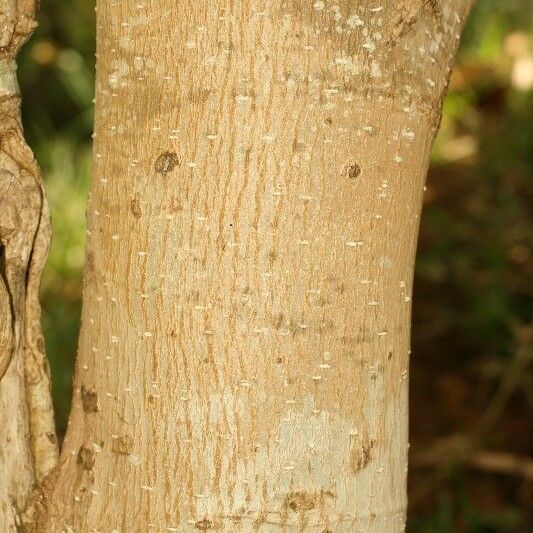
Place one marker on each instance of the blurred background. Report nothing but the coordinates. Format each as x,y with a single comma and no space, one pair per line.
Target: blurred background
471,464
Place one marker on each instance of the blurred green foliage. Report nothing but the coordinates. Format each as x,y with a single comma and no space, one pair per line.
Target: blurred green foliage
472,307
56,75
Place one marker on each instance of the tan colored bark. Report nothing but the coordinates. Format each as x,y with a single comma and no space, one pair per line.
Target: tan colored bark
28,446
258,175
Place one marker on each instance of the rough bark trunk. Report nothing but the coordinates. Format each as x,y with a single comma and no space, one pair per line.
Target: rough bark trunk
258,175
28,446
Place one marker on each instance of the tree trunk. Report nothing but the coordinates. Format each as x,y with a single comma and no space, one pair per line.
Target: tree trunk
258,175
28,445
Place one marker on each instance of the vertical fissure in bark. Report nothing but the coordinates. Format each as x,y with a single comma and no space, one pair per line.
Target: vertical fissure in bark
6,317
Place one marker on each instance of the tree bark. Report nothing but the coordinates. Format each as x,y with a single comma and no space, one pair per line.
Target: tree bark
258,175
28,445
